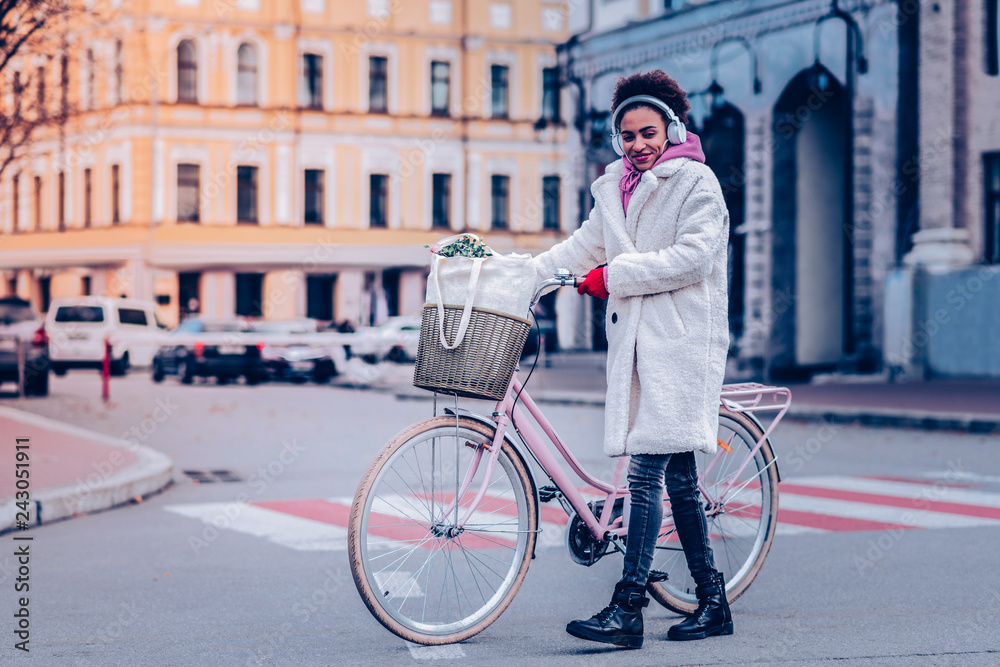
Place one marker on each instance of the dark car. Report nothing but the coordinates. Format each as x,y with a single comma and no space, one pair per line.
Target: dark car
198,348
22,326
296,350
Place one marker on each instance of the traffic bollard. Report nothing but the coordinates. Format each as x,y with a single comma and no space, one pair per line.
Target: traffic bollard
106,372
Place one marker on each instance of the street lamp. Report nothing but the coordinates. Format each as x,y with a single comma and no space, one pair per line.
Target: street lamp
715,88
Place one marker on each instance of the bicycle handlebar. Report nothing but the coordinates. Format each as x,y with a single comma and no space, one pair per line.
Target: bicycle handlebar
562,277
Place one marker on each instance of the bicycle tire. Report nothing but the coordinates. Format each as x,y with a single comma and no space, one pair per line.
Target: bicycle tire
370,535
677,592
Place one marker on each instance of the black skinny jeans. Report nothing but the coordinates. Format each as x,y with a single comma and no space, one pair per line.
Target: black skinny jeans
646,475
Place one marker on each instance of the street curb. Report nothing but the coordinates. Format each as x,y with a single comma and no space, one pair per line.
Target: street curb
151,473
879,417
918,419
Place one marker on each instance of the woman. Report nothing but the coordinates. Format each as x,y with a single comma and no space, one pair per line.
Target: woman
660,225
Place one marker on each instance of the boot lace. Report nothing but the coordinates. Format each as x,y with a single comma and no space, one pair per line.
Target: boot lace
604,616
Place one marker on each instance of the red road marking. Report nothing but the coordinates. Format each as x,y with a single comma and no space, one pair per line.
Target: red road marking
895,501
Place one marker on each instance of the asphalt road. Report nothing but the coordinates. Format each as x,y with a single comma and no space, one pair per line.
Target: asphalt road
148,584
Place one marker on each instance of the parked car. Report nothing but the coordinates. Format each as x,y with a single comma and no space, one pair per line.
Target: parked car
198,348
21,325
296,350
79,325
396,339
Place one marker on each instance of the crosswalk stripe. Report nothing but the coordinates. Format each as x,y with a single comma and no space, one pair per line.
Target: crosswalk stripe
807,505
917,490
277,527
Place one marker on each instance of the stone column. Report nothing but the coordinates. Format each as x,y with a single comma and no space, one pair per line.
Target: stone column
218,295
412,290
348,291
283,292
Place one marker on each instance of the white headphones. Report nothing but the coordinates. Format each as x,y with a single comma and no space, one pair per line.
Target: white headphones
676,132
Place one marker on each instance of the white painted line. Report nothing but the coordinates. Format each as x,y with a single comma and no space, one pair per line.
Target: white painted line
284,529
443,652
901,489
397,582
902,515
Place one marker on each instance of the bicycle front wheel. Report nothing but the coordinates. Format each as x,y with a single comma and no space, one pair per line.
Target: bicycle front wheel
741,524
421,576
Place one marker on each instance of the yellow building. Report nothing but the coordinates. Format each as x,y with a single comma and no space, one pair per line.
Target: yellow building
284,158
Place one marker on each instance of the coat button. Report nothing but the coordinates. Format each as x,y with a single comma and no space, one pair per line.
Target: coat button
614,318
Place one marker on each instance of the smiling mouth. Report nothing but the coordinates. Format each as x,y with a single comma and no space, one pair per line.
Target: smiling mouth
642,158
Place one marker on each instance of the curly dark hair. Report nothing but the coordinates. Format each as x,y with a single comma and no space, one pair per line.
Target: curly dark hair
657,83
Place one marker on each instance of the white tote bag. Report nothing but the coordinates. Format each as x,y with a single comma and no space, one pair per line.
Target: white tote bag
501,283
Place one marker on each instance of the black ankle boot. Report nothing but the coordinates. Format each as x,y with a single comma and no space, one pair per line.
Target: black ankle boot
620,623
712,616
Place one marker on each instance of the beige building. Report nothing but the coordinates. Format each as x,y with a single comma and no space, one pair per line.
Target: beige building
284,159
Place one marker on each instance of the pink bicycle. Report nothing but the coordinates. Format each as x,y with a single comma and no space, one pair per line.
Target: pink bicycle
445,521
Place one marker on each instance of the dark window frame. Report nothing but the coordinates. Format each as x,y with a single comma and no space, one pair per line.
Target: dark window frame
187,72
247,193
15,183
499,91
378,84
119,71
116,194
312,81
40,91
61,200
500,201
441,201
378,201
551,202
992,47
314,196
189,176
551,103
88,197
38,203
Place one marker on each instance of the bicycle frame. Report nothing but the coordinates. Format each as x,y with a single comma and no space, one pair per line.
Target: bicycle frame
745,397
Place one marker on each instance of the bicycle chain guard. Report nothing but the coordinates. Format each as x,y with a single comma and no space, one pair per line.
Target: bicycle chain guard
582,546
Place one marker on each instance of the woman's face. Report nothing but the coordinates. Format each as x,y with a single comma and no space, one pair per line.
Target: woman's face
643,135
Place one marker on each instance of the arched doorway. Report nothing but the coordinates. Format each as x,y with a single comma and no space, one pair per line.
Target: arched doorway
722,139
811,244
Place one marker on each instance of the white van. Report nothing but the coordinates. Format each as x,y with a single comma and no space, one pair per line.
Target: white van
78,325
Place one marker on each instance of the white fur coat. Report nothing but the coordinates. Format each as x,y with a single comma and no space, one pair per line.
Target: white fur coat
667,319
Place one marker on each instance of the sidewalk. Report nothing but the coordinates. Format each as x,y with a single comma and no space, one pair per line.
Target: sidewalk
71,470
573,378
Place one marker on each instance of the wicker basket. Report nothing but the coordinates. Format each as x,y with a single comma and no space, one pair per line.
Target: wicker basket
481,367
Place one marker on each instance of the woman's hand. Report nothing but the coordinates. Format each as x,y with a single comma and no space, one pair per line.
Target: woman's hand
594,284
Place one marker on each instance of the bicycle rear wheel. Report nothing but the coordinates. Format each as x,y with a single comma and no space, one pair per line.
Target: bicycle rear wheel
420,576
741,525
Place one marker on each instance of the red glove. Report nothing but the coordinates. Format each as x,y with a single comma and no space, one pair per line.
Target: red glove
594,285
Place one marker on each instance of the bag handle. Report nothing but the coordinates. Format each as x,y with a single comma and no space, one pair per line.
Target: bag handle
463,325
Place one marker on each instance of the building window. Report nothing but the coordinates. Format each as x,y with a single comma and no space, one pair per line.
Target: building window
314,197
500,87
550,94
40,91
15,202
88,197
550,202
61,201
441,201
378,85
85,285
440,87
249,292
992,38
378,200
64,85
319,297
246,194
500,199
119,72
187,72
991,164
246,75
188,184
312,81
38,203
91,78
116,191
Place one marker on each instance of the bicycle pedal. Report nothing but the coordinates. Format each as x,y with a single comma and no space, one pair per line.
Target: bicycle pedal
547,493
656,576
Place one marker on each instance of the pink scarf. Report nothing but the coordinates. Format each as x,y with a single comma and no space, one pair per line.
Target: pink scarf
630,175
